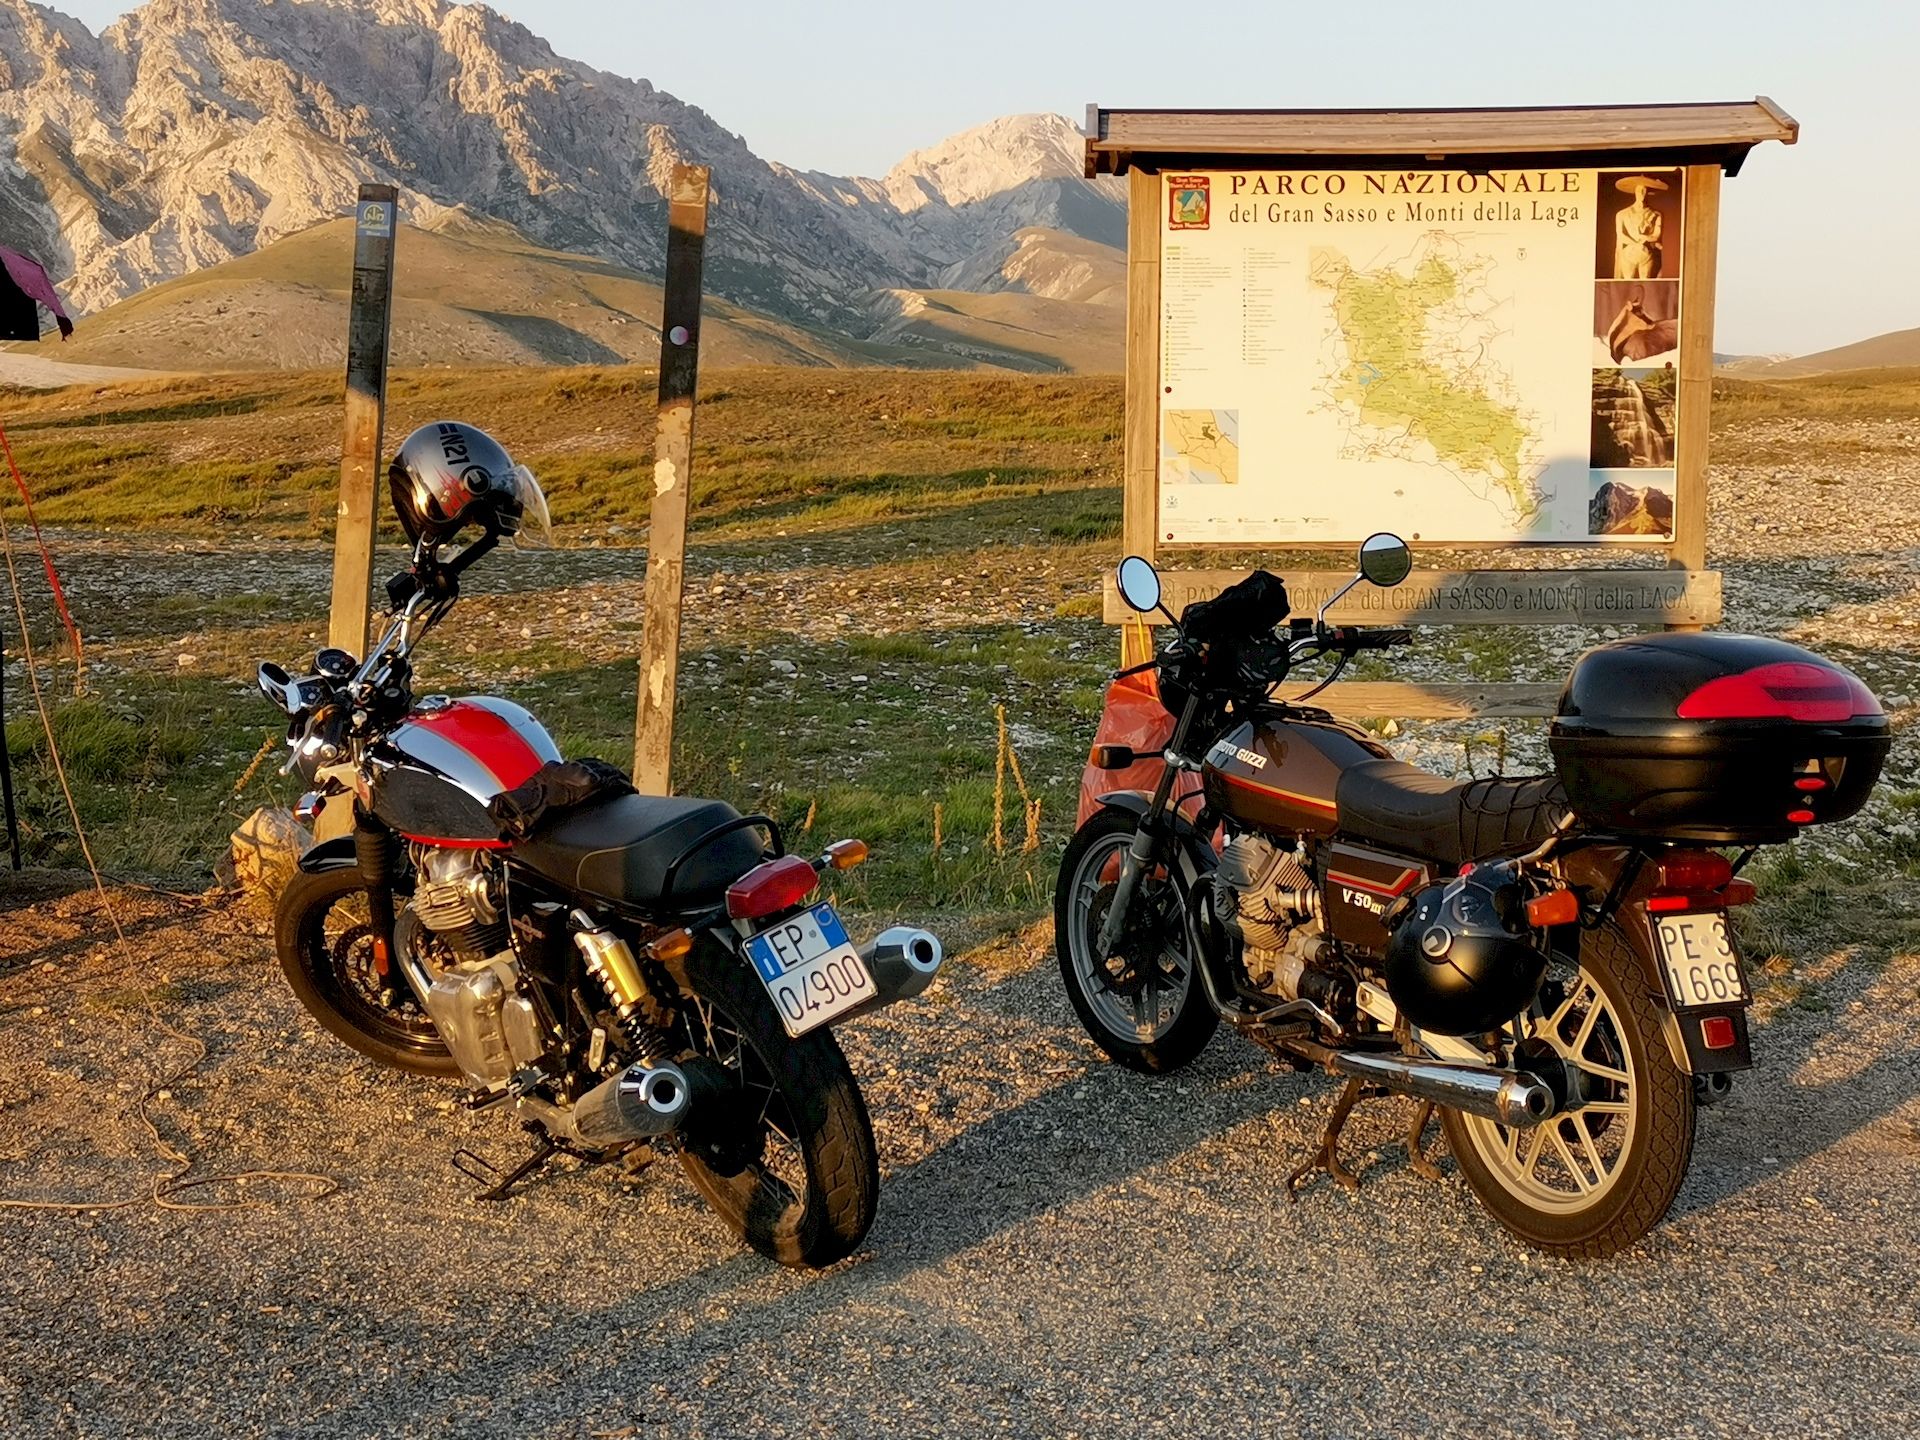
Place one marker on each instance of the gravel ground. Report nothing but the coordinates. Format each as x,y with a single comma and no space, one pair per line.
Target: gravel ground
1063,1248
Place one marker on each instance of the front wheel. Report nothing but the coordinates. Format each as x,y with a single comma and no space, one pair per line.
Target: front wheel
324,940
1142,1005
789,1162
1600,1174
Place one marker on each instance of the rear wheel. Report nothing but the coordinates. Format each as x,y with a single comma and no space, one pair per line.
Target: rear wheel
789,1160
1601,1173
324,939
1142,1005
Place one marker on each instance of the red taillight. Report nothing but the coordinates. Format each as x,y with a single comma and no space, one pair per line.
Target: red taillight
1694,870
1785,690
770,888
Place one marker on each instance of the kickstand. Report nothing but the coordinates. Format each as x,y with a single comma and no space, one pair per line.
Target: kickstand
1327,1156
1416,1153
474,1168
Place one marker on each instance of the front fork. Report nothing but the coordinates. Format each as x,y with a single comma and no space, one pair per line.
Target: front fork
373,846
1141,854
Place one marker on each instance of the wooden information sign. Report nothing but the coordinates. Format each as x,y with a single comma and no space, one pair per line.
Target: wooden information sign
1480,329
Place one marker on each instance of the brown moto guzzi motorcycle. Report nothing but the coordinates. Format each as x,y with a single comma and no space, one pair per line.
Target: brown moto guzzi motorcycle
1546,960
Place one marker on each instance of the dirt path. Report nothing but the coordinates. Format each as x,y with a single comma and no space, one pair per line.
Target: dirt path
1063,1248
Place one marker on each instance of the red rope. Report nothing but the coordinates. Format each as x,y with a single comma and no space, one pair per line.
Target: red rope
46,556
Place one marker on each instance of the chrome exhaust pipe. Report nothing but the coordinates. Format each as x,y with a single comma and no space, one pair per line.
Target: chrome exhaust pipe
1506,1097
642,1102
902,962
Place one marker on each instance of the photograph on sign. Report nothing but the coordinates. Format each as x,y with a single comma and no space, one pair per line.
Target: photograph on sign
1466,357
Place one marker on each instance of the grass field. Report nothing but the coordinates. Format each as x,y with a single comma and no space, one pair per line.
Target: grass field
880,562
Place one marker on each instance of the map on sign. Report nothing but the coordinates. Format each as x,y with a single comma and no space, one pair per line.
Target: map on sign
1448,355
1201,447
1413,366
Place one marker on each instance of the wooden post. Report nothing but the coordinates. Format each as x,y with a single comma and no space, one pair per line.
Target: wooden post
1140,481
1699,223
369,324
1140,513
672,477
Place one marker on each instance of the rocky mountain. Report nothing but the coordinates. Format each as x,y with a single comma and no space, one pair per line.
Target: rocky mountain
193,132
1618,508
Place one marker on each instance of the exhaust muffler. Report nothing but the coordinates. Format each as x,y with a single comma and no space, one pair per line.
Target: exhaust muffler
1506,1097
643,1102
902,962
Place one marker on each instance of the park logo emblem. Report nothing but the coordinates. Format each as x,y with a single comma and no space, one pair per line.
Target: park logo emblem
1189,201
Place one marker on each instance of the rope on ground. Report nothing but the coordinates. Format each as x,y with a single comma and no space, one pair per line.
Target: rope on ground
163,1187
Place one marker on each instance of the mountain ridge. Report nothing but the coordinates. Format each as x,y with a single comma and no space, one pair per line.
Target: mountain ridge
191,132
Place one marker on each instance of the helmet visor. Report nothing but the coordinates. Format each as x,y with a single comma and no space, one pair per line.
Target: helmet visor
536,521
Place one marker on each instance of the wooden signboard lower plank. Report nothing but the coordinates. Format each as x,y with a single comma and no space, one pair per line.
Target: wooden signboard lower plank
1472,597
1408,700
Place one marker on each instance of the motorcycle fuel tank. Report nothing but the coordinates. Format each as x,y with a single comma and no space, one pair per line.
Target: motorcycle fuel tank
439,768
1273,773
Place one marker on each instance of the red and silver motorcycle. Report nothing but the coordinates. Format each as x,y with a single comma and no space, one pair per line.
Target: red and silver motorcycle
626,974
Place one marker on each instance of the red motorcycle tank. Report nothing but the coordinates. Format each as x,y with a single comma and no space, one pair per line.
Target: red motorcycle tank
438,769
1278,774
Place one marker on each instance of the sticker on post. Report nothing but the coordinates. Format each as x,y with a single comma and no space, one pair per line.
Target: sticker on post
376,218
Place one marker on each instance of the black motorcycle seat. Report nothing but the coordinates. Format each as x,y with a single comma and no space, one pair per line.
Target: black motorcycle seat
620,849
1405,808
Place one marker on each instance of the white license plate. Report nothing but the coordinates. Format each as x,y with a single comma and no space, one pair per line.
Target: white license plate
1702,966
810,968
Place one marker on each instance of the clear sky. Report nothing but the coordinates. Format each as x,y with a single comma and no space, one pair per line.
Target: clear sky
1820,243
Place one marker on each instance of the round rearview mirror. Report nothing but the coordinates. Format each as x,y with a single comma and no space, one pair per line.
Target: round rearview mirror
273,682
1139,583
1385,559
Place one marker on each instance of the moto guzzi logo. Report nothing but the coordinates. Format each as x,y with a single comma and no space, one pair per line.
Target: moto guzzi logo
1225,751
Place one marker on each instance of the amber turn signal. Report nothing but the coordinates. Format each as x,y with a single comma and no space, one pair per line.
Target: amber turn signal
672,945
1111,757
1556,907
845,854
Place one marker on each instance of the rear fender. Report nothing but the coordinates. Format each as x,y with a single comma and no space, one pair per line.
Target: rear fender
1595,870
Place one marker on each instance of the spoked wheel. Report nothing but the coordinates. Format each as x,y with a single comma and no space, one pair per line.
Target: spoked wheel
1141,1004
784,1151
1601,1173
324,940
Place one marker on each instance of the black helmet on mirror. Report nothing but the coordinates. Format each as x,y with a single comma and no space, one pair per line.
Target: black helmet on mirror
449,475
1461,958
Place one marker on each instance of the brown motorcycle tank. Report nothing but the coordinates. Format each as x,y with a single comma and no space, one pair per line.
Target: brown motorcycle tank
1277,773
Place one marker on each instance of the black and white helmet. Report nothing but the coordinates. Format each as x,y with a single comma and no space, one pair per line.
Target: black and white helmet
449,475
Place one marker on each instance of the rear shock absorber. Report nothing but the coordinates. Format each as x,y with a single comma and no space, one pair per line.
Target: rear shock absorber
610,960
